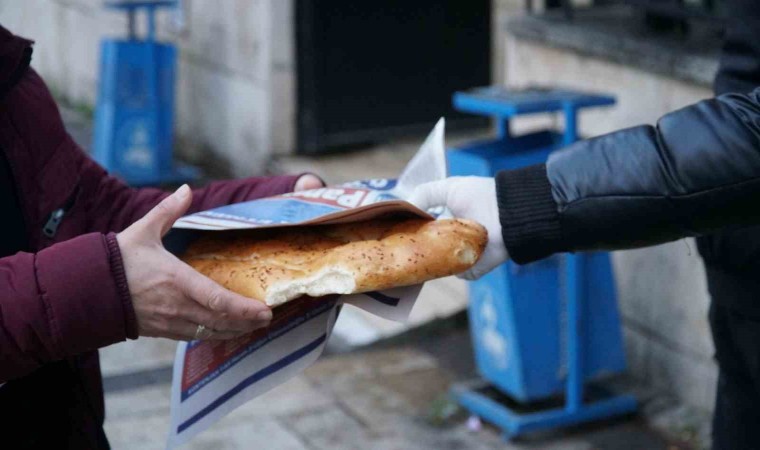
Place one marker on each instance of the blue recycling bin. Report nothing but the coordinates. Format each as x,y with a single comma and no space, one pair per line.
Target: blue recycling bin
543,331
134,116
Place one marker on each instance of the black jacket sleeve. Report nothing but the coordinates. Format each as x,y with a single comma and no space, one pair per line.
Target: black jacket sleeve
697,171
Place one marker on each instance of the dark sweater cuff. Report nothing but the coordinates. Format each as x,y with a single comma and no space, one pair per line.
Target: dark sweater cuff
528,214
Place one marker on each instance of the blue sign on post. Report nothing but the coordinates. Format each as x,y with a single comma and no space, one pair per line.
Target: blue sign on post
134,118
546,329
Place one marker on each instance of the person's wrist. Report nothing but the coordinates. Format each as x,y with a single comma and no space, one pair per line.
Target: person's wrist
528,213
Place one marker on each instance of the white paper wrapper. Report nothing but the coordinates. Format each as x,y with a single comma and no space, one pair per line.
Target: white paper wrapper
212,378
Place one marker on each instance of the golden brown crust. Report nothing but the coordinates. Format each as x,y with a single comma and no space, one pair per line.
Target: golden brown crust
278,265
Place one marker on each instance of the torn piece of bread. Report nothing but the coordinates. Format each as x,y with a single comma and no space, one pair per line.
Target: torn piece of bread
281,264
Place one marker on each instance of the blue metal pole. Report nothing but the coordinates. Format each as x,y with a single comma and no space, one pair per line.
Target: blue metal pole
503,128
571,124
151,23
573,285
131,27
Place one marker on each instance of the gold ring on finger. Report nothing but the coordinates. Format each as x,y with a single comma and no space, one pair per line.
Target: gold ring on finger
203,333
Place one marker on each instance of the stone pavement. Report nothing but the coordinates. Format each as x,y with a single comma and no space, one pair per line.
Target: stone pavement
392,396
389,395
378,400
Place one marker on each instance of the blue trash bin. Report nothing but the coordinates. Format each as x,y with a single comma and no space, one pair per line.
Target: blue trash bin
541,330
134,117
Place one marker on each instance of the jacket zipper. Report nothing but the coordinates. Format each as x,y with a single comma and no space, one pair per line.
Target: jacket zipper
54,221
19,197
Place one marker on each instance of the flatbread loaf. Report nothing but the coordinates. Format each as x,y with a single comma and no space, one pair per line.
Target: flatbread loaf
278,265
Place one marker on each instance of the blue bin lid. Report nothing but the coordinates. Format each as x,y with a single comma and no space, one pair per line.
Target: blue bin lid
134,4
504,102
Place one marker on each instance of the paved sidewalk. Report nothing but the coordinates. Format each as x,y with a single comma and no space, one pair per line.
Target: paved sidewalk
390,395
376,400
386,398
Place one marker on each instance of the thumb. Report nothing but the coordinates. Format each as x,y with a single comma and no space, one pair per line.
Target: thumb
161,218
431,194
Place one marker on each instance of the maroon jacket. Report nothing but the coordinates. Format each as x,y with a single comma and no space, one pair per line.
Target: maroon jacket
68,295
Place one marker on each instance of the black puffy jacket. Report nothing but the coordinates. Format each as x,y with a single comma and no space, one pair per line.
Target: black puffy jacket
696,173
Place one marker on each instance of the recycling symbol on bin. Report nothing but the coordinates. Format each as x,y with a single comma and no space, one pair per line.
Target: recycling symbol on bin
493,341
136,145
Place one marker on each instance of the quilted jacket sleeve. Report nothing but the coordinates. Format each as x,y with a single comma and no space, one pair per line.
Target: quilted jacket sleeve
62,301
696,171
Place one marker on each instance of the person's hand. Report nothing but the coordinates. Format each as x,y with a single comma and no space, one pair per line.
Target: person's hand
170,298
469,198
308,181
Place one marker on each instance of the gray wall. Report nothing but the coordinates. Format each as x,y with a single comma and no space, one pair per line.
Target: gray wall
235,90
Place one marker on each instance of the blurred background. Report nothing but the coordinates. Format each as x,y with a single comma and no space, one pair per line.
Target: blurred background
348,89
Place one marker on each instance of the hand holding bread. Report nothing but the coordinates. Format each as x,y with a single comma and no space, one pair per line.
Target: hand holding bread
169,298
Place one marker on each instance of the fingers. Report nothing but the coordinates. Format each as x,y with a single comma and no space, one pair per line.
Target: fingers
468,275
477,271
494,255
472,274
308,181
182,330
195,313
214,297
161,218
431,194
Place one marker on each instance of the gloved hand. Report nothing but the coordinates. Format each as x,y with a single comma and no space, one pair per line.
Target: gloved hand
471,198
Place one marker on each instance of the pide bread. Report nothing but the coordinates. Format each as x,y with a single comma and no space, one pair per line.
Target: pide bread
281,264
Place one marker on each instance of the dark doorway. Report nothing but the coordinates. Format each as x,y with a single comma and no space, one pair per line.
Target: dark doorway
373,70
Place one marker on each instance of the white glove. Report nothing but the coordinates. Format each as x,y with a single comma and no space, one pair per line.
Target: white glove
471,198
